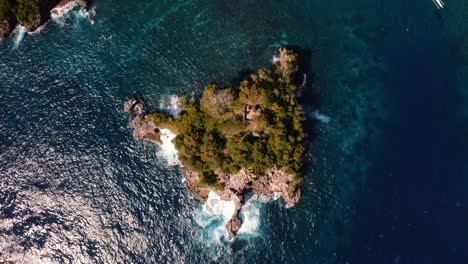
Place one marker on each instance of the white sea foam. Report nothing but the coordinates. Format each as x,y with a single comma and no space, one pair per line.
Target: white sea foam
215,213
213,217
60,14
439,3
57,14
38,30
168,148
315,114
19,33
320,117
275,59
88,14
267,198
250,214
171,104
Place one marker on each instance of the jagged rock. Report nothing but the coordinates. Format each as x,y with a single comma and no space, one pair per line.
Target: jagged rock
233,226
236,186
142,129
34,25
63,3
136,108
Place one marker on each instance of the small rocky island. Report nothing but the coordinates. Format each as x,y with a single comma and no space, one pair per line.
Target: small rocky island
237,140
30,13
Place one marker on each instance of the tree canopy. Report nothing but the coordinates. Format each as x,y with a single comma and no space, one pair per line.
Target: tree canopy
5,8
25,11
214,137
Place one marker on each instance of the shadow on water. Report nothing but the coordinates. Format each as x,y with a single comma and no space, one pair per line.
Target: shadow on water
242,75
309,98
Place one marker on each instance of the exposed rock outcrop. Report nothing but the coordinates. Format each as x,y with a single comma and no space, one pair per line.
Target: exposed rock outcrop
233,225
237,186
282,57
142,129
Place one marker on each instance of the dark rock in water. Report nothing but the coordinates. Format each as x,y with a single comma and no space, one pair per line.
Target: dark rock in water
136,108
142,129
233,226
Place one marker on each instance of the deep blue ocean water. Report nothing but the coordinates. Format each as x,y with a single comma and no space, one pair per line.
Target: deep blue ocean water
386,178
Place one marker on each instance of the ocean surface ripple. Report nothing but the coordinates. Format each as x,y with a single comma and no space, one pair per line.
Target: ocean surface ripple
76,187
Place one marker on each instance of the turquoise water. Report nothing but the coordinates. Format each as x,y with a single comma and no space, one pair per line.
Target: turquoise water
385,176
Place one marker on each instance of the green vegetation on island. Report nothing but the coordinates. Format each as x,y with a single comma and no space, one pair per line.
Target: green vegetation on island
25,11
254,126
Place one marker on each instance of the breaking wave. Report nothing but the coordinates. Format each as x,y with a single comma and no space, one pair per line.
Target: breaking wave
171,105
250,214
315,114
213,217
60,14
19,33
168,149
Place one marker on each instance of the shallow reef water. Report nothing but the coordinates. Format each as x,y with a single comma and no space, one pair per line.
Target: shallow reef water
385,176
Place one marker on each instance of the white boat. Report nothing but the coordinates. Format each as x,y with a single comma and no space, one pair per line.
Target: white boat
438,3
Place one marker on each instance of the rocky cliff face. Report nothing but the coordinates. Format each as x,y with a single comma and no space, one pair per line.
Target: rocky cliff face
235,187
137,109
